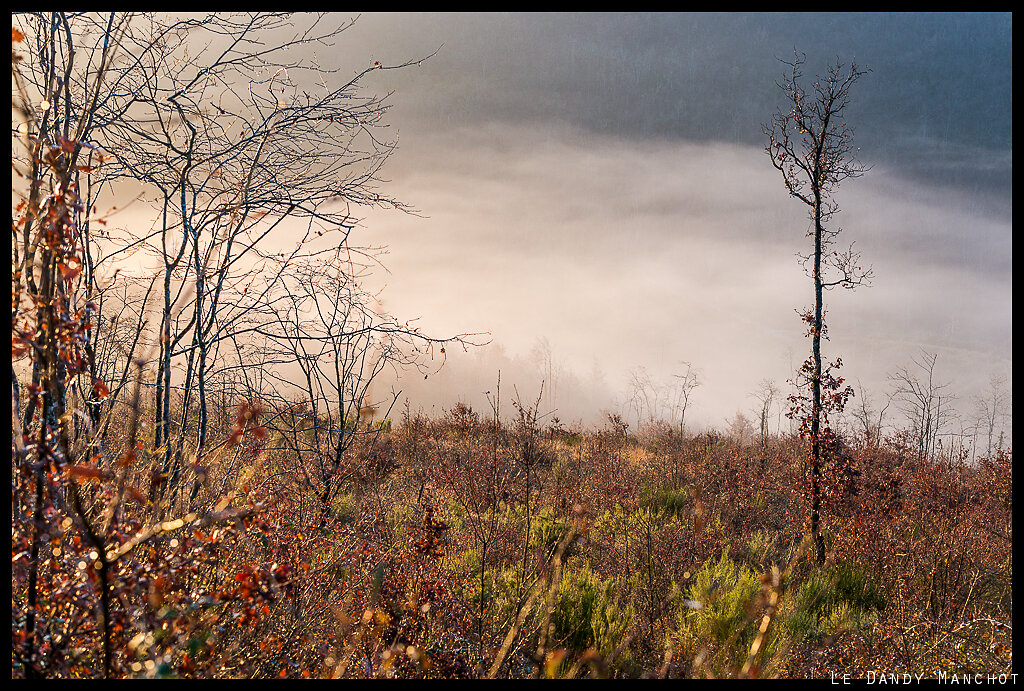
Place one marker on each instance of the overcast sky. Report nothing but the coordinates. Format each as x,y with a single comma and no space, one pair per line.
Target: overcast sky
599,181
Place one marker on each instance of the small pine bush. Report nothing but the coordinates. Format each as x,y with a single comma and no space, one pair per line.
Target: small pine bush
717,616
838,596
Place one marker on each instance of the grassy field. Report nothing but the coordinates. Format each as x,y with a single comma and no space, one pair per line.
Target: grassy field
466,547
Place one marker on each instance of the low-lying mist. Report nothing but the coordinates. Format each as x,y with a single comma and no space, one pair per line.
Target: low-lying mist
621,255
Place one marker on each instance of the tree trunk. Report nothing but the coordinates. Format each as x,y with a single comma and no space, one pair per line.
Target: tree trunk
815,518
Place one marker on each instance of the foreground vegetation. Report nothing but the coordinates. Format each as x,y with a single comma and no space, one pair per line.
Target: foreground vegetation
469,547
203,486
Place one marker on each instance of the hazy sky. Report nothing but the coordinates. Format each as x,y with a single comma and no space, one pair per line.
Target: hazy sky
599,181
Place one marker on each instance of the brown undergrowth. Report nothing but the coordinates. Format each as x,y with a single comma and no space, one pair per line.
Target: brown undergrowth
462,547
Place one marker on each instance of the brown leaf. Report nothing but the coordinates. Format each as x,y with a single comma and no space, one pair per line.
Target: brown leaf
87,473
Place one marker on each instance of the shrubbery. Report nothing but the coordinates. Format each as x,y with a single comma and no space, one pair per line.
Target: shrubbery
434,569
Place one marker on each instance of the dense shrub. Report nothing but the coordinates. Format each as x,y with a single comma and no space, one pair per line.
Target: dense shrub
716,618
440,559
834,598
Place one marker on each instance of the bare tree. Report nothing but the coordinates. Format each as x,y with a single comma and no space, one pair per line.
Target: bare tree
542,356
653,400
810,144
766,394
871,419
240,141
50,225
684,386
924,401
740,428
643,395
329,342
992,410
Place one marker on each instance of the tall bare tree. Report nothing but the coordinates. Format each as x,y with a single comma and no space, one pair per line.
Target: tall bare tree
810,144
242,143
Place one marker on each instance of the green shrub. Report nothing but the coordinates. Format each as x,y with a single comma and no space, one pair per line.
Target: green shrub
762,549
344,508
574,606
467,561
610,622
668,500
562,469
547,529
717,614
587,613
839,596
509,589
